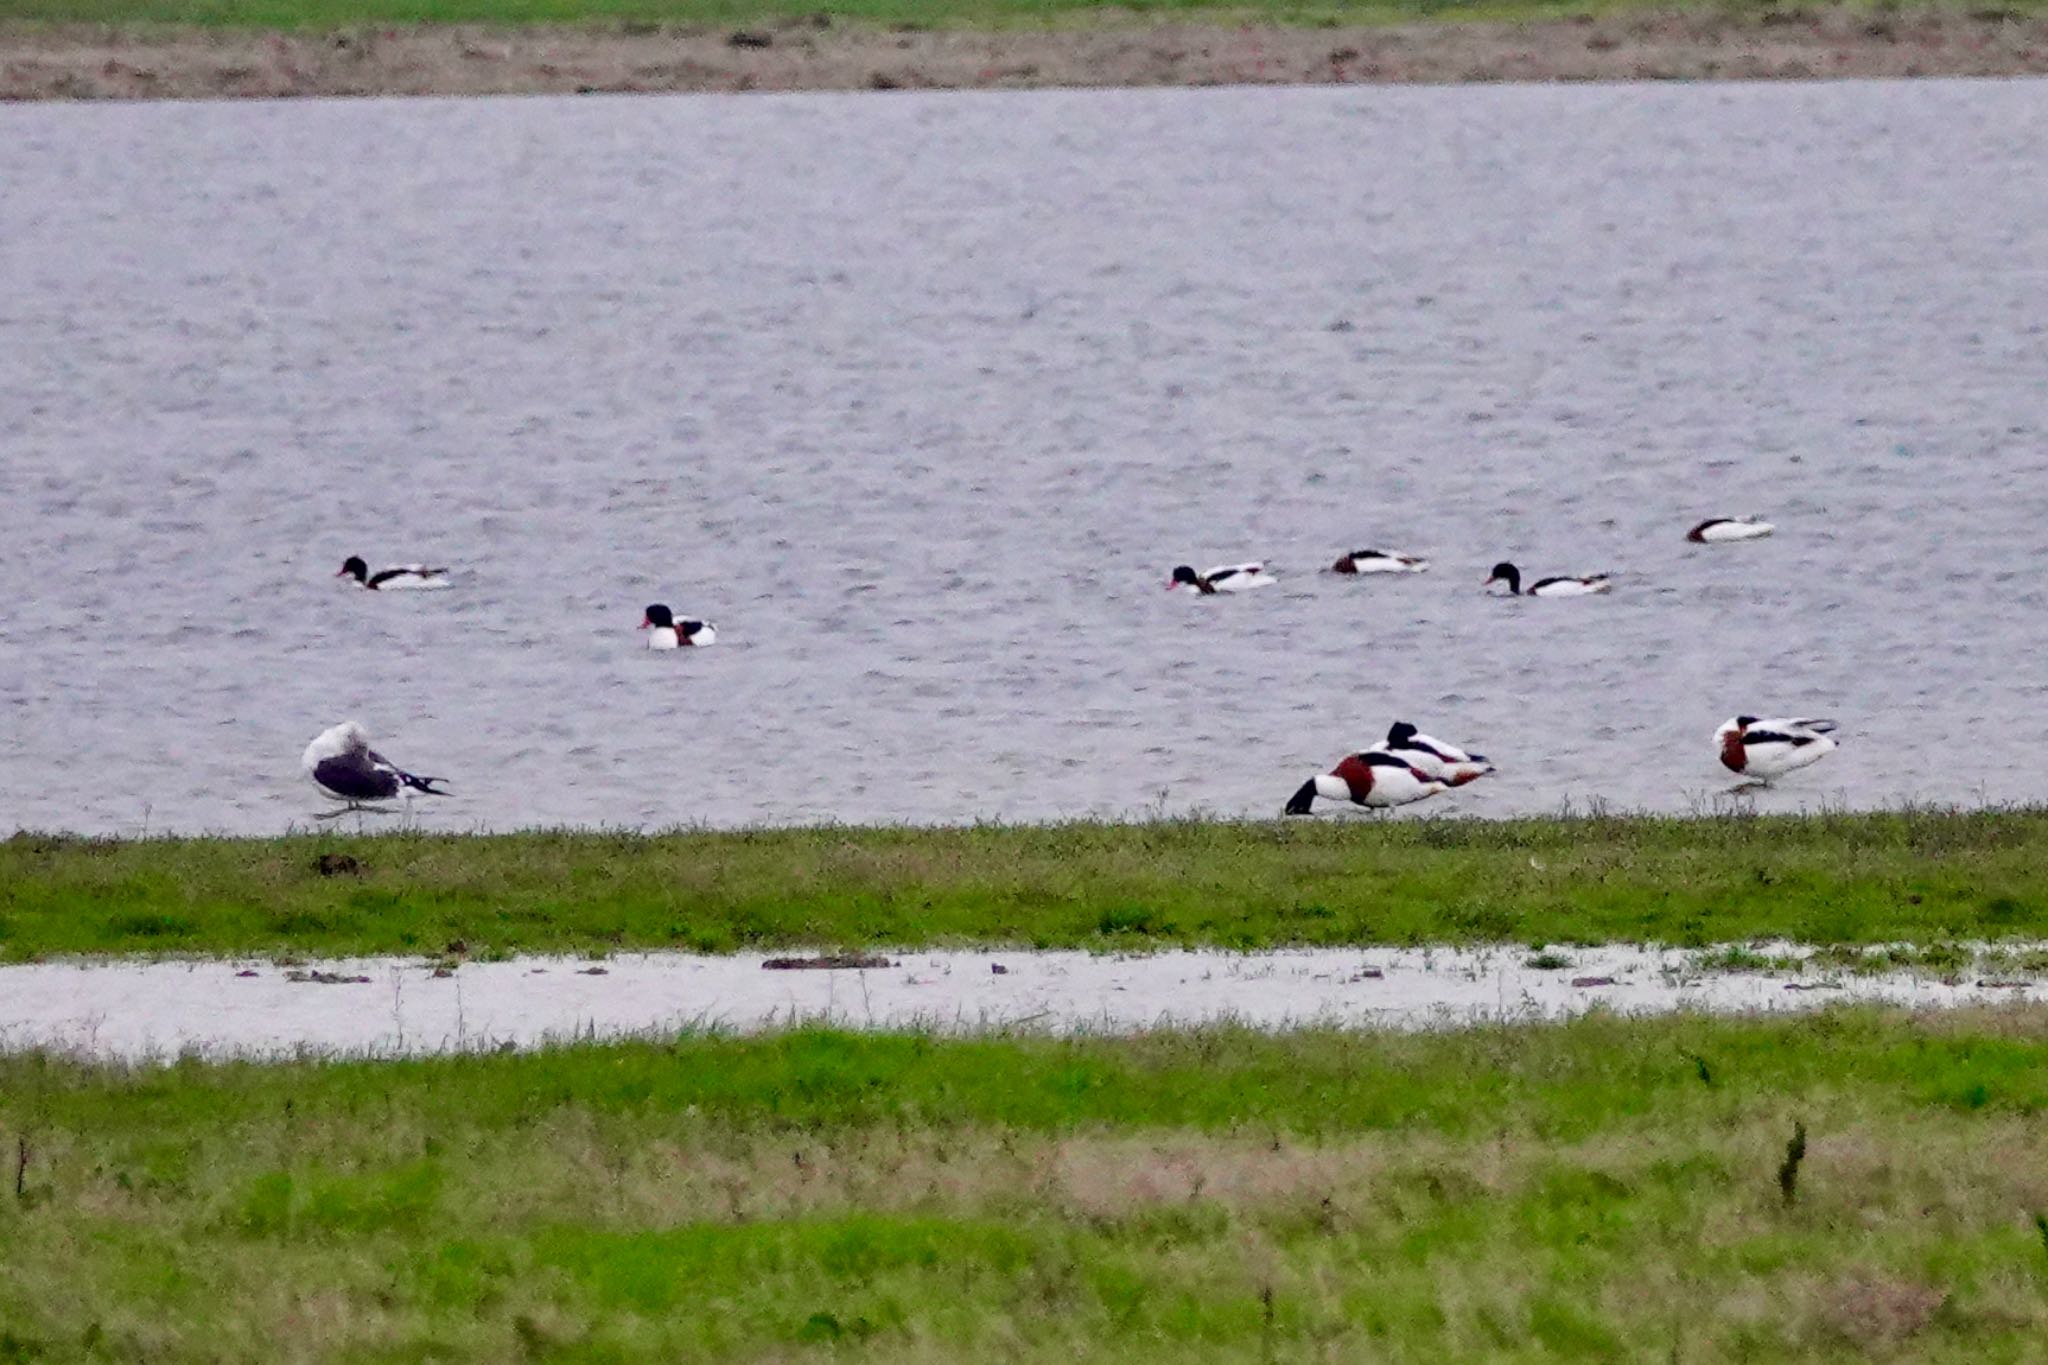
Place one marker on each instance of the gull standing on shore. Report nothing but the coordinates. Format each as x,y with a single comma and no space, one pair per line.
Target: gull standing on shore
343,766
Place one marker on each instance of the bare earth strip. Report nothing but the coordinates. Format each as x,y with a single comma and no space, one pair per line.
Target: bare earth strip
59,62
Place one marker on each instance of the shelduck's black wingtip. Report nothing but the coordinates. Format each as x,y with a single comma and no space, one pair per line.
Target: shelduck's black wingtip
1302,800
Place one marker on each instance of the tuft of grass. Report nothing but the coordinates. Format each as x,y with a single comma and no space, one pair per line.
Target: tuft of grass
1851,880
1736,957
1788,1169
1540,1193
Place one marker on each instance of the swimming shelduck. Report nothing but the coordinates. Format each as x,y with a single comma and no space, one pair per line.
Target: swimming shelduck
1721,530
1370,779
664,631
1507,573
345,768
1378,561
1446,763
398,578
1760,750
1225,578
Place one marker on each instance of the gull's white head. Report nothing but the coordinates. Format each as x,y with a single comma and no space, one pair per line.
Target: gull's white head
348,737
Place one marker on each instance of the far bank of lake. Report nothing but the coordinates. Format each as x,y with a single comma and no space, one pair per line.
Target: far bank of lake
1858,879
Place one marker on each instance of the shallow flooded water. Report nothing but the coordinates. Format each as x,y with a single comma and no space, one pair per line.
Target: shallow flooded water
388,1006
919,397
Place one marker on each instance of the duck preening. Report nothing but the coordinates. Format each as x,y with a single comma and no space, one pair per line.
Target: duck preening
1561,586
1433,758
666,632
1721,530
1373,779
344,768
1224,578
1379,561
398,578
1761,750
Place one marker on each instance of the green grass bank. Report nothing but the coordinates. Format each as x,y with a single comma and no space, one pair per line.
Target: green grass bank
1608,1189
284,49
1828,879
332,15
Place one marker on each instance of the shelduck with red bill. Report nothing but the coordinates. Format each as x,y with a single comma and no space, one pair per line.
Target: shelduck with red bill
1760,751
665,631
1223,578
1379,561
398,578
1431,757
1723,530
1561,586
1373,779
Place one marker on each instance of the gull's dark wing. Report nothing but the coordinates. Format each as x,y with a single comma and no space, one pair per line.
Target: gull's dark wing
354,777
402,777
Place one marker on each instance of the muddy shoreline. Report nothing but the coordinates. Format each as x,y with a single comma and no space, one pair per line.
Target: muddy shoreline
79,63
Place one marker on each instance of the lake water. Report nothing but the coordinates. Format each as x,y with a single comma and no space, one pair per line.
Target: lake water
919,397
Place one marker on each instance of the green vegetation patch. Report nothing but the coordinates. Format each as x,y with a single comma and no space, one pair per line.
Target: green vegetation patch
1915,877
1610,1188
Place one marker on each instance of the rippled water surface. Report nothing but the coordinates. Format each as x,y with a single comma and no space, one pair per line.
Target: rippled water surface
920,396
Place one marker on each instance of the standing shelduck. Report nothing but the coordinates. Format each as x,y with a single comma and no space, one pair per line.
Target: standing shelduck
664,631
1224,578
1761,750
1586,586
1433,758
1722,530
398,578
1379,561
343,766
1372,779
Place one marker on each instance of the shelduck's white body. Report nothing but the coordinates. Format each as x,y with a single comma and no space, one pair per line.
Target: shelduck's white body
1372,779
1379,561
397,578
1222,578
1722,530
1761,750
1583,586
1432,757
666,630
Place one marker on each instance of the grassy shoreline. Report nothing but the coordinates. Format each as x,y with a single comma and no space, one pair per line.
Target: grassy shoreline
1609,1188
910,16
1905,876
213,49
